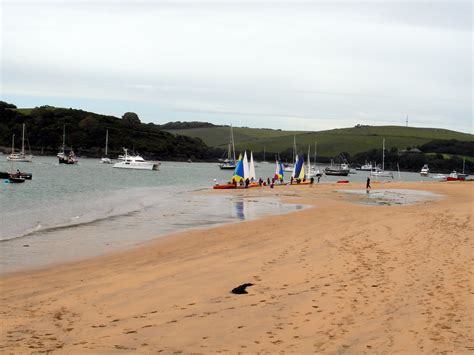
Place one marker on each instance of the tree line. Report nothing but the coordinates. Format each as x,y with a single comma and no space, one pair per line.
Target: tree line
85,133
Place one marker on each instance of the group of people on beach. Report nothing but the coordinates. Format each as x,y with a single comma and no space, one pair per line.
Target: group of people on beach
269,182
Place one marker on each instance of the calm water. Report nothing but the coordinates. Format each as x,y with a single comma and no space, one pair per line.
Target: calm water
70,212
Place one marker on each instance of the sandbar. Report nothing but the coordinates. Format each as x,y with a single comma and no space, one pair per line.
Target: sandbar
337,277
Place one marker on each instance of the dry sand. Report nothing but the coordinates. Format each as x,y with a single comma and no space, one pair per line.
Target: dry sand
335,278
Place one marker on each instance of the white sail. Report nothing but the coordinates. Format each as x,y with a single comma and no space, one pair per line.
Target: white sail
252,168
245,162
294,168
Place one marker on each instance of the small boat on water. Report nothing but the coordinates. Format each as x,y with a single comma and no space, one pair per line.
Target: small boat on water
20,157
337,170
106,159
365,167
16,180
380,172
70,158
425,171
134,162
455,176
229,163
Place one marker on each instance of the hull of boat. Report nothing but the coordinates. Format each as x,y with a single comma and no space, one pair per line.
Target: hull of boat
16,180
122,165
7,175
67,161
450,178
227,167
106,161
382,175
336,172
21,160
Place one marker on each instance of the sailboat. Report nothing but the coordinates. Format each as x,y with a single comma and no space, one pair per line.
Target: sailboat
17,177
63,158
377,172
290,167
229,163
455,176
311,170
298,174
21,157
279,171
106,159
243,171
251,175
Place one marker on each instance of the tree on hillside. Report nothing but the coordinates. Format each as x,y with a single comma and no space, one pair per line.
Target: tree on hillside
131,118
4,104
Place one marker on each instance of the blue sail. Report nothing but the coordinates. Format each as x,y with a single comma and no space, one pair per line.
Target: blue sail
298,172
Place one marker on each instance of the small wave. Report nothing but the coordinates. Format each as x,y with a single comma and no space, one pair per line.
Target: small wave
39,230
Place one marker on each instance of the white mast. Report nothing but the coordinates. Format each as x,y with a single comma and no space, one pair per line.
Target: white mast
294,150
383,155
64,137
232,141
315,151
23,141
106,141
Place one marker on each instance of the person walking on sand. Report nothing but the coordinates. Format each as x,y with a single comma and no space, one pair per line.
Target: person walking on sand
367,186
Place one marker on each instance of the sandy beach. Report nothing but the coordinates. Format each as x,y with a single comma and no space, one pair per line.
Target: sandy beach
337,277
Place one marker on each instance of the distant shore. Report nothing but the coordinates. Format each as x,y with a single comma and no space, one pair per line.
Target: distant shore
338,277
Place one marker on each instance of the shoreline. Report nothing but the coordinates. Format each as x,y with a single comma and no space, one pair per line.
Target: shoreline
326,279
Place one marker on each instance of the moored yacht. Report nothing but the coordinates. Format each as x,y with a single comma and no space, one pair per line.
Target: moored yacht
134,162
20,157
365,167
425,171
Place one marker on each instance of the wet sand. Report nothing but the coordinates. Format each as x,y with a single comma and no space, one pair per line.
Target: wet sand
339,277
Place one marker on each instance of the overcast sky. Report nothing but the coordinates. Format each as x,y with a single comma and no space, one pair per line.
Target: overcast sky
308,65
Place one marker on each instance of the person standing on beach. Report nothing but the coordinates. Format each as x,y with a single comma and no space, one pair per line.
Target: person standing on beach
367,186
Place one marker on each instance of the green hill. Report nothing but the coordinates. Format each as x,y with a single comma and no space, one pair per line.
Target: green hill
330,143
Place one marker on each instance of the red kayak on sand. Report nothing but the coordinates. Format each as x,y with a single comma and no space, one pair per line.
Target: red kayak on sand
343,182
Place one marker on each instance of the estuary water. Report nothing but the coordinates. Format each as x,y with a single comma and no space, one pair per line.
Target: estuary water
69,212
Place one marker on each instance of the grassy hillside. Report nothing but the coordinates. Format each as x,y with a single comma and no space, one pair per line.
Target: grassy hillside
330,143
219,136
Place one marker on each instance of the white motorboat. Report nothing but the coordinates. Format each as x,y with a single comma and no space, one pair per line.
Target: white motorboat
366,167
134,162
20,157
425,171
